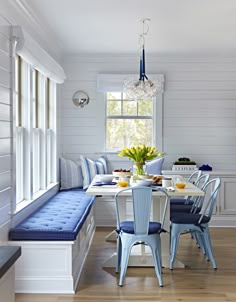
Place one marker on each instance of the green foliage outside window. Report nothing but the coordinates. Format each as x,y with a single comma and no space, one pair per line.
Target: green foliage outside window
129,122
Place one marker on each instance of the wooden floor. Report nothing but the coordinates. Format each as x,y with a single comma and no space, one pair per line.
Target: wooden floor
197,282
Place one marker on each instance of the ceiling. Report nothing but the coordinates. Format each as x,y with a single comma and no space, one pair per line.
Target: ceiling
113,26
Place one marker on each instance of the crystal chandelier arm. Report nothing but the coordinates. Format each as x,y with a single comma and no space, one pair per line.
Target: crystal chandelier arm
144,21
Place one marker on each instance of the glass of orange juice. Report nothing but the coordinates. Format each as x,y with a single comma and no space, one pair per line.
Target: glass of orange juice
180,183
123,182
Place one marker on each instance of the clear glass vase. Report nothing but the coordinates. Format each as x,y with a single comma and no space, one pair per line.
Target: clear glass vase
139,169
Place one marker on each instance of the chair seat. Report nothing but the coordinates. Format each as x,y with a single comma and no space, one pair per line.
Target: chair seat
179,201
128,227
182,208
188,218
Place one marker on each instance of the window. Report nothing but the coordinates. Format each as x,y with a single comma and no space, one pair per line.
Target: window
128,122
35,132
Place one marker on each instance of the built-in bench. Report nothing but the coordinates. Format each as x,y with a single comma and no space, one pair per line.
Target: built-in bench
55,241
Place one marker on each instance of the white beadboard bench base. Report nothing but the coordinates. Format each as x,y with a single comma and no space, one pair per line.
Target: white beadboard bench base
53,266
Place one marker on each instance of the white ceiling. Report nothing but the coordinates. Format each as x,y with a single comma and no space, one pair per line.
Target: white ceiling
113,26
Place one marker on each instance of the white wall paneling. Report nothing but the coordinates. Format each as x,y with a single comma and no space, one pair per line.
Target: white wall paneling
4,95
4,112
5,144
4,62
5,197
5,130
227,196
4,42
5,163
5,180
4,78
18,13
199,107
5,214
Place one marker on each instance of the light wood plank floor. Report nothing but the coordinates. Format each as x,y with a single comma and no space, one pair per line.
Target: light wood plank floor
197,282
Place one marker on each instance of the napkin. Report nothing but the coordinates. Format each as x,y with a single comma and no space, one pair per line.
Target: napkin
170,189
111,183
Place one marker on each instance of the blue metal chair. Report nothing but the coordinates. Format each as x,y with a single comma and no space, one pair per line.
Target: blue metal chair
140,230
193,178
196,223
194,204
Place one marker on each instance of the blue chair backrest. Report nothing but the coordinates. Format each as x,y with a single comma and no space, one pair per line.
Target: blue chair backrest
202,180
210,200
142,204
193,178
198,200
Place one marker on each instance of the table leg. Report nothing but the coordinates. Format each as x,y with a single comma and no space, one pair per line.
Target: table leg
111,237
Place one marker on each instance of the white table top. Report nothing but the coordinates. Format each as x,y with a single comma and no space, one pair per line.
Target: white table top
110,190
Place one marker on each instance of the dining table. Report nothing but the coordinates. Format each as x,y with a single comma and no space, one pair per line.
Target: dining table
141,254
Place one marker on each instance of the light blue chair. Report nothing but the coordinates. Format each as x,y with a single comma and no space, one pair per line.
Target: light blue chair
193,204
193,178
140,230
196,223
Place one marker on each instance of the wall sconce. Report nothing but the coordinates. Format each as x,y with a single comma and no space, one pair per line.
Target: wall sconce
80,98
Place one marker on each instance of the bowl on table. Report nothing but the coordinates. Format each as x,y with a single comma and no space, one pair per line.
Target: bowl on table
146,176
106,178
144,182
121,173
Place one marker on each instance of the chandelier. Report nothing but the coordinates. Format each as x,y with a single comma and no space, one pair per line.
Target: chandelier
143,87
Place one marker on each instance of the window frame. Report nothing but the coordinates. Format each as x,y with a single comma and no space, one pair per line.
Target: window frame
157,122
25,133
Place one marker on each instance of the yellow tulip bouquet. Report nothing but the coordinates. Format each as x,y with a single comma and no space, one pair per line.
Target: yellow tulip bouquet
140,154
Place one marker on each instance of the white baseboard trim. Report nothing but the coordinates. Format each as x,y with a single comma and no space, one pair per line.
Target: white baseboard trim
223,221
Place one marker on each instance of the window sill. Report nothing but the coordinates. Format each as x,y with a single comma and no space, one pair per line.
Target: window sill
25,203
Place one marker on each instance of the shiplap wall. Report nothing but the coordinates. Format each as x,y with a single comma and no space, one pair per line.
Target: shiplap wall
199,107
5,133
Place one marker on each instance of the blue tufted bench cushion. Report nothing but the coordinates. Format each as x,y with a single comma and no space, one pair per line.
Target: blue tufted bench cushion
60,218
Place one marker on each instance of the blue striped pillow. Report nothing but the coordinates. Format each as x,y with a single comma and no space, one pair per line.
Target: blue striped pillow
92,167
70,174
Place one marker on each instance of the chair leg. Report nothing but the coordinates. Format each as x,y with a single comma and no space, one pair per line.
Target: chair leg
159,251
157,263
119,253
202,244
207,239
175,233
125,252
199,241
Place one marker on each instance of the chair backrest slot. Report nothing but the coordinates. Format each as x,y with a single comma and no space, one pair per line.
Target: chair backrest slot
142,201
210,201
198,200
